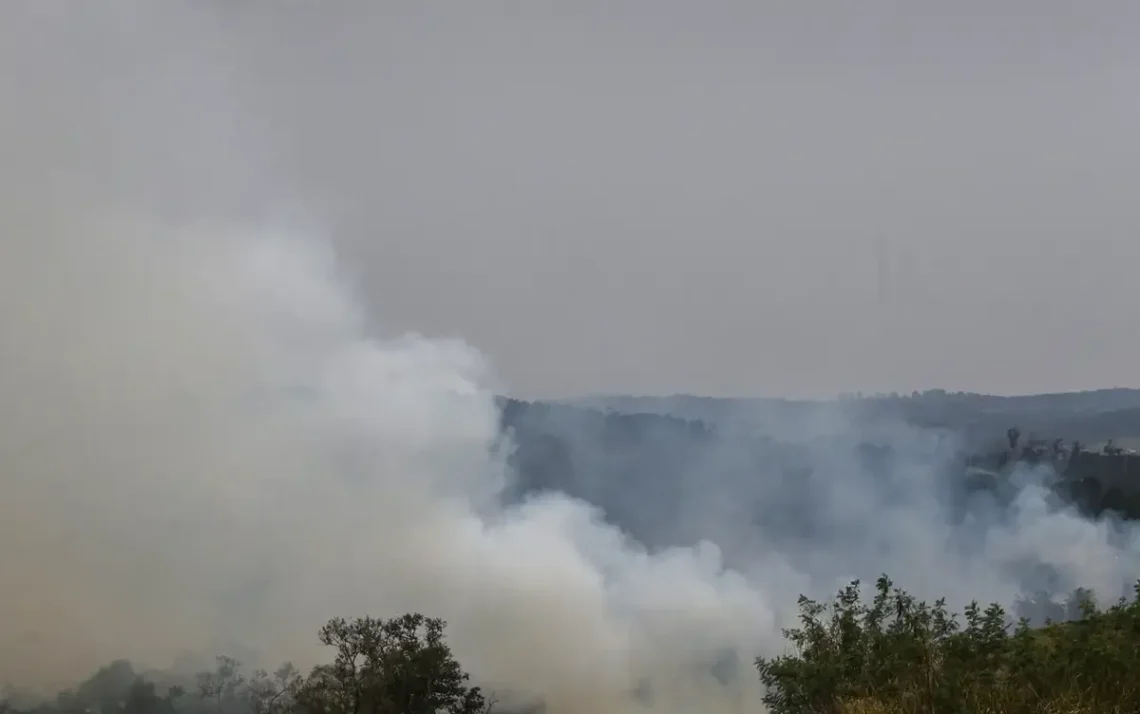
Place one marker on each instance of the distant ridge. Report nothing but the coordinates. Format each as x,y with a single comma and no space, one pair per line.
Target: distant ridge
1091,416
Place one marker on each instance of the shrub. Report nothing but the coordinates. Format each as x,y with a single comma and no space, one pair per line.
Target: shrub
898,655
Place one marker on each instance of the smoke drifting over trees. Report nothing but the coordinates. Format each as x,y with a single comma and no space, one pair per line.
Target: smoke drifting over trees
207,446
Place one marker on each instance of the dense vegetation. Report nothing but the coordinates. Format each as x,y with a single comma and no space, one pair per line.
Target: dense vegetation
889,655
900,656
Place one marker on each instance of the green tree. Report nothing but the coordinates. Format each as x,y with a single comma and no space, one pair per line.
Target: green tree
398,666
897,655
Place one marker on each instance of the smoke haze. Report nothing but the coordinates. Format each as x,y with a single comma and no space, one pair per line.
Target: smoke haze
207,443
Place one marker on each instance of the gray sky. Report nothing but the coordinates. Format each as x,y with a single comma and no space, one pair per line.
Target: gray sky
654,197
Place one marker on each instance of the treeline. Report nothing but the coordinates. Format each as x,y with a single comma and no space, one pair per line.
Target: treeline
401,665
644,470
891,654
1090,416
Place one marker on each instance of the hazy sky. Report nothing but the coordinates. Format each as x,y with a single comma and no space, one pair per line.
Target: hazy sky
651,197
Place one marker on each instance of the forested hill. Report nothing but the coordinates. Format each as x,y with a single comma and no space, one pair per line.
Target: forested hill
665,478
640,469
669,481
1090,416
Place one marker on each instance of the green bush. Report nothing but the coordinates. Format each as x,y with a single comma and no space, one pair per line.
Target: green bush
897,655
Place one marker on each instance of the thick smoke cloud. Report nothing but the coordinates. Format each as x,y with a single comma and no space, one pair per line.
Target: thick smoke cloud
206,446
203,450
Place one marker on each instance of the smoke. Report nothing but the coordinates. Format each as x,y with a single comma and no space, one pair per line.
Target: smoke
207,445
203,449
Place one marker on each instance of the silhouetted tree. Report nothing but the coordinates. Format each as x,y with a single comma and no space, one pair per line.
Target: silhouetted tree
223,684
142,699
276,693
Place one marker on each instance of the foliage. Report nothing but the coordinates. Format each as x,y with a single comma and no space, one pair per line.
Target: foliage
397,666
401,665
897,655
892,654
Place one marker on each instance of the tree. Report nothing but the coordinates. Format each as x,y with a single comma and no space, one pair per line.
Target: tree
275,694
1013,434
143,699
223,684
898,655
397,666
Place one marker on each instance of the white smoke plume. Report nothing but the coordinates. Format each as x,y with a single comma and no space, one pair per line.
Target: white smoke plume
205,443
203,448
